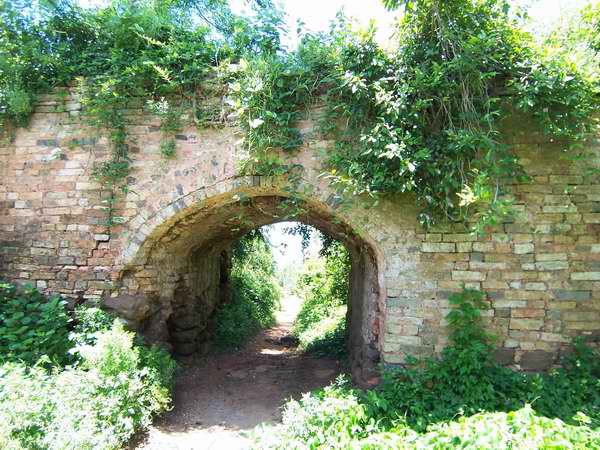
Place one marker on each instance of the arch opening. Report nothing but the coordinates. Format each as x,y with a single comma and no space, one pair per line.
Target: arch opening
181,271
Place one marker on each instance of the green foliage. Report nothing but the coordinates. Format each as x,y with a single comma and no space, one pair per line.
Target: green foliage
570,390
121,54
255,293
267,98
331,418
114,392
461,399
89,322
168,148
427,117
110,390
32,325
327,336
336,418
323,287
428,391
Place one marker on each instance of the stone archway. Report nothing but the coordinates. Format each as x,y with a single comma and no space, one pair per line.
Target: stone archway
179,270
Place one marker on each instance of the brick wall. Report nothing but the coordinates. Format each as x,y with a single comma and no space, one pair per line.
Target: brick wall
541,271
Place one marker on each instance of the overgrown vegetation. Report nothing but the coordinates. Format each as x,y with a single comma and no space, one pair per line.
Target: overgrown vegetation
461,399
118,56
425,117
99,388
323,287
32,326
255,293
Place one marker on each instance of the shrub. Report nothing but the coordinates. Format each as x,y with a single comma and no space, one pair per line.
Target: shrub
255,293
112,388
427,391
32,325
321,322
89,322
114,392
417,406
327,337
331,418
520,430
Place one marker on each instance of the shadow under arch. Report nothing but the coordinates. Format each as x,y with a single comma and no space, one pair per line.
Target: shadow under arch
179,271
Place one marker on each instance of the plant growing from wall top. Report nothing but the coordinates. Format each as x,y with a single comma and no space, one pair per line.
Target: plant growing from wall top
121,55
424,118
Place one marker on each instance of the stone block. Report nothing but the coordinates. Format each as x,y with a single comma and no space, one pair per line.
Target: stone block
526,324
551,257
522,249
528,313
562,294
585,276
466,275
537,360
581,316
135,308
504,356
560,209
554,337
552,265
438,247
535,286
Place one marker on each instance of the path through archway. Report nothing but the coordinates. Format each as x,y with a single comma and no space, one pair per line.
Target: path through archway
179,272
220,398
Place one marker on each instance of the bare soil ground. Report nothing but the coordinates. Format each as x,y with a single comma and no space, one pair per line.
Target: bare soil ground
218,399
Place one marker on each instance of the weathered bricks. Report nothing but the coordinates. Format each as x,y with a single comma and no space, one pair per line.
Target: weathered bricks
541,272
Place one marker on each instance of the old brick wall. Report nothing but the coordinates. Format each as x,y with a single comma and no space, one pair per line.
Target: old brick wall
541,271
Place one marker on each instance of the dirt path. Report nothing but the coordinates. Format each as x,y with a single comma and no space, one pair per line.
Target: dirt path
220,398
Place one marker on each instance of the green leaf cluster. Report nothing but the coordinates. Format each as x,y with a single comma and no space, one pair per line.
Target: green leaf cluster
119,55
323,287
459,399
112,393
92,388
427,117
32,325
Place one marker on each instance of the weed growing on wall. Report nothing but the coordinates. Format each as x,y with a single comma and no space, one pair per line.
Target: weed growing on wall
427,117
424,118
119,56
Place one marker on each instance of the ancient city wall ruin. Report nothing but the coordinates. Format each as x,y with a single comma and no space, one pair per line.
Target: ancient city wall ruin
164,268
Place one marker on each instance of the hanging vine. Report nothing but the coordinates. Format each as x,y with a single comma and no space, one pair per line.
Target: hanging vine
426,118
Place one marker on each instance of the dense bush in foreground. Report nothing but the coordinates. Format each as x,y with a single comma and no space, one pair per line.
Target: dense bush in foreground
323,286
339,417
110,389
255,293
462,399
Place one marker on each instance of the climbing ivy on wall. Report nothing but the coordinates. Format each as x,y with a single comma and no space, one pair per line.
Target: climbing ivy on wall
117,56
426,117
